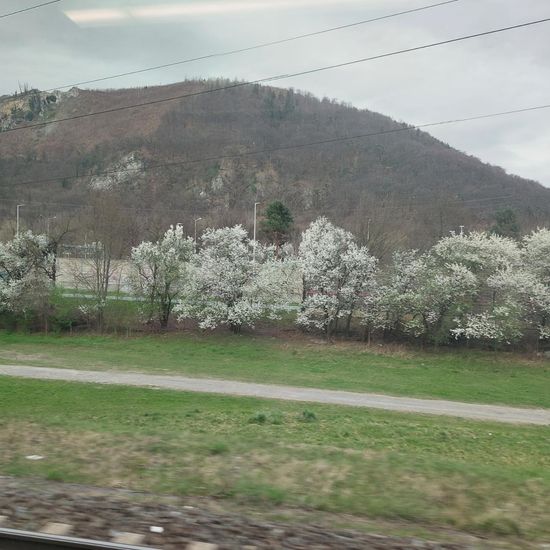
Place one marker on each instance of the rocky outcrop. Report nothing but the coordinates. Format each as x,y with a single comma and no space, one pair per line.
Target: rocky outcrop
29,106
124,171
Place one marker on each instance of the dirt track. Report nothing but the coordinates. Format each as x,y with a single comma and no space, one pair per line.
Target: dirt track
472,411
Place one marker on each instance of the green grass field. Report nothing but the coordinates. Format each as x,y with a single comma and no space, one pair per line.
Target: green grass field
484,377
438,472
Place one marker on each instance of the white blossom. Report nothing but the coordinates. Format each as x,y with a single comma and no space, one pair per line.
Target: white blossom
336,272
228,286
481,253
421,296
26,265
536,254
160,271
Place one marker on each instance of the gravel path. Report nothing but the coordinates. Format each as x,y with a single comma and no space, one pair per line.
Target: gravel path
473,411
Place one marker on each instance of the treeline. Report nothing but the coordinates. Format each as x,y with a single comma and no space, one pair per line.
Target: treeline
481,288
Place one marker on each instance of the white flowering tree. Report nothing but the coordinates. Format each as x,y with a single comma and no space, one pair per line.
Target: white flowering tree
420,297
26,267
446,291
481,253
436,294
520,297
509,314
160,271
336,274
536,261
536,254
229,287
388,304
493,313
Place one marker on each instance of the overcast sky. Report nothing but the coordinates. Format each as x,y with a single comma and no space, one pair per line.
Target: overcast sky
76,40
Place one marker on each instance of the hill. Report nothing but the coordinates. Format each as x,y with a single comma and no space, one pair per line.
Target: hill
411,186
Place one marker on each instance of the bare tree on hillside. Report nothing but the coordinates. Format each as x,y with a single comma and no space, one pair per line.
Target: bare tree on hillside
109,235
57,232
381,226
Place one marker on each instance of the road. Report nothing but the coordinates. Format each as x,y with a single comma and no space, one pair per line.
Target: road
495,413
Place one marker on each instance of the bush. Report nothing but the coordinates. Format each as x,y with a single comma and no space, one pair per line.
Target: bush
308,416
267,417
218,449
64,312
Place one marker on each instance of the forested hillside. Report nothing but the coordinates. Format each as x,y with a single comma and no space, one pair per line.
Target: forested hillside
402,188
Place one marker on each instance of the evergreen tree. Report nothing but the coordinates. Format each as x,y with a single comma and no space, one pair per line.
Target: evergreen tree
277,223
506,224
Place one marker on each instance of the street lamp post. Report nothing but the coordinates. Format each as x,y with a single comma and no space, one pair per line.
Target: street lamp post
195,240
53,248
17,219
48,224
254,241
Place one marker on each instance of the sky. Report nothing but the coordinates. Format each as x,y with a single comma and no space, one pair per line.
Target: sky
75,40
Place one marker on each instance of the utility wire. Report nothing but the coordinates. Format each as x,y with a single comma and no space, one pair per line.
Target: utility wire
416,200
287,147
277,77
29,9
250,48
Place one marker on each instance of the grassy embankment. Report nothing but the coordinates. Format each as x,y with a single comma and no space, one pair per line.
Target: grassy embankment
463,375
437,472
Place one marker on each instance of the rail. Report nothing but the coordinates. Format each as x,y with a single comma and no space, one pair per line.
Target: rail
13,539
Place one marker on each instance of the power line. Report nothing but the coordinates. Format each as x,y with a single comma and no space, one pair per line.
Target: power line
250,48
416,200
277,77
29,9
287,147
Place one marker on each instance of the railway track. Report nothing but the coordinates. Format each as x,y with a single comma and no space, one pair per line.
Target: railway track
12,539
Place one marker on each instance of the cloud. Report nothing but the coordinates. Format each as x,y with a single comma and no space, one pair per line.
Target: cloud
97,16
91,17
495,73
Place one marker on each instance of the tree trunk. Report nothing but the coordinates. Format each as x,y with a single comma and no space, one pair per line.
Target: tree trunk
348,324
100,317
235,328
329,331
165,310
54,266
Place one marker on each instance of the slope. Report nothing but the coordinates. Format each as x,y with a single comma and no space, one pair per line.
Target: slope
411,186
